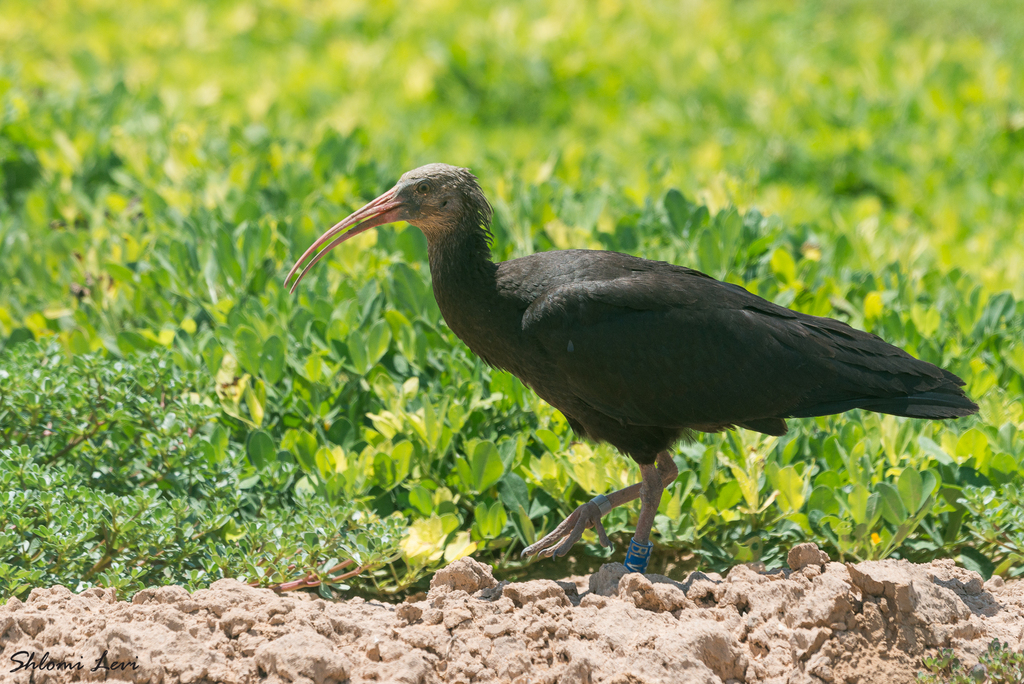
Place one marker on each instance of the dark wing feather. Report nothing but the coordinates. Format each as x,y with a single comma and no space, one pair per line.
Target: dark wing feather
668,346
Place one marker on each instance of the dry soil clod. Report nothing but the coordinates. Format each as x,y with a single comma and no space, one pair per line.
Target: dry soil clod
816,621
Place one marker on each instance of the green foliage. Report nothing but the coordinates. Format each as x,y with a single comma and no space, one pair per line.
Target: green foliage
998,665
997,526
118,473
162,165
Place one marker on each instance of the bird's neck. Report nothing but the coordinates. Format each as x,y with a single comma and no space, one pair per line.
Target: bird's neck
460,265
465,287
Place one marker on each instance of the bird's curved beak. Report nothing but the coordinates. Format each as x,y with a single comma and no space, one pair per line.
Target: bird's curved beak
385,209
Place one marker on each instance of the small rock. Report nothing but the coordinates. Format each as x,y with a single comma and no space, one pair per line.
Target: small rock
931,604
303,654
745,573
413,668
945,572
709,642
829,601
994,582
702,591
390,650
877,578
38,595
105,595
571,592
498,629
236,621
913,591
639,591
605,582
32,623
810,571
522,593
171,594
802,555
456,616
660,596
409,612
821,667
445,597
464,574
806,642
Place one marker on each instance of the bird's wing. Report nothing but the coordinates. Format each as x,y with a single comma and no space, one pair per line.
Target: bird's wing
677,348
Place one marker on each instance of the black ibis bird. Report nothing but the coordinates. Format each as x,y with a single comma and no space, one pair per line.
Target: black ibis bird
638,353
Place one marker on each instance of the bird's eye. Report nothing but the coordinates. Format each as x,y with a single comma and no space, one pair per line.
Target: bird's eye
423,188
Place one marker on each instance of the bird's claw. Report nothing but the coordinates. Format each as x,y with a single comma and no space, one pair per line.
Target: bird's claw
584,517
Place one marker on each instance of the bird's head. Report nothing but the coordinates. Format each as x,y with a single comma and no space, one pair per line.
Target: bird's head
436,198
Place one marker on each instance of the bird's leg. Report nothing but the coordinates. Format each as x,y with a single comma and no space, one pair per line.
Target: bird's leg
589,514
639,551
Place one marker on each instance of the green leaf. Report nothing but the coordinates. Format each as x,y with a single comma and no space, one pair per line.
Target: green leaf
729,495
490,519
708,468
326,463
247,349
366,351
823,499
409,292
303,446
213,354
129,341
377,342
119,272
483,468
863,505
679,211
712,256
1004,463
449,523
421,499
934,450
255,400
790,487
702,510
911,488
893,508
314,367
972,444
513,492
1008,563
259,447
549,439
390,469
783,266
272,359
524,527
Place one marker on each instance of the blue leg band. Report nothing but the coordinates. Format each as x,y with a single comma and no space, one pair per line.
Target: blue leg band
637,556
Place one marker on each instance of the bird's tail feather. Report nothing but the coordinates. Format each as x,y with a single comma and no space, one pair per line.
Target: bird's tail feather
934,404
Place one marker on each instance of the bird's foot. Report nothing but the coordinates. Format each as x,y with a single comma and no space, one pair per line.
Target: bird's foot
586,516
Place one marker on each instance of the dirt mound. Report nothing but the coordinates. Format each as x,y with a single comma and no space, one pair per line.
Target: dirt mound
815,622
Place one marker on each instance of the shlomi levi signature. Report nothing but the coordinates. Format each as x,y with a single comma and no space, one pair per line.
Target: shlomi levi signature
26,660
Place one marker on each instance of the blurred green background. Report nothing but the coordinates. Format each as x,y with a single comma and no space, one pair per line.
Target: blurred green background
168,412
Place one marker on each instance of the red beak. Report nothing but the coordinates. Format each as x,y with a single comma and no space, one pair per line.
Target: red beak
384,209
